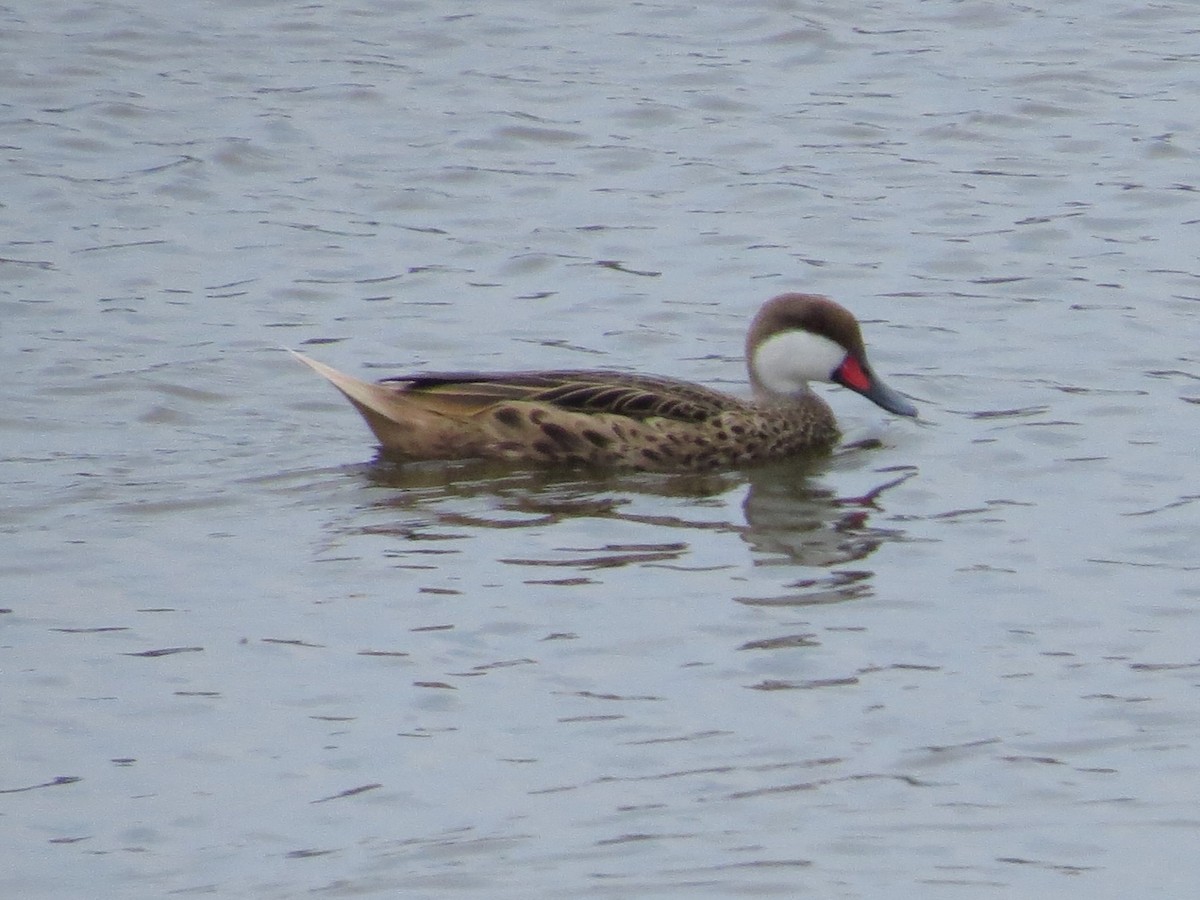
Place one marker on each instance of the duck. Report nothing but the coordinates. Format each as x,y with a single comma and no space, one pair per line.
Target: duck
621,420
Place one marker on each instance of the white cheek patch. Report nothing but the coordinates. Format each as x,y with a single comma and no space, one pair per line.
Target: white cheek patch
786,362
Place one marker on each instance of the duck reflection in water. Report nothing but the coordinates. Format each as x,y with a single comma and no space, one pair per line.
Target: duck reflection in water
786,516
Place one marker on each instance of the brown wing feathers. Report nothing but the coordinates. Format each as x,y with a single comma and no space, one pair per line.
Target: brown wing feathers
636,396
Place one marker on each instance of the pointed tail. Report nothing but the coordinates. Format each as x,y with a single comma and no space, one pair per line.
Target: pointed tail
397,422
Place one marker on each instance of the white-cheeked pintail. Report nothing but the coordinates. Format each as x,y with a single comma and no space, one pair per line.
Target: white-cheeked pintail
621,420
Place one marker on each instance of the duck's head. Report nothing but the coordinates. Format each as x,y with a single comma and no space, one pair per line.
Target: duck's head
798,338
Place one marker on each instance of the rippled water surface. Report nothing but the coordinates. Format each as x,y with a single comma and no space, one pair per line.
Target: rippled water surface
240,657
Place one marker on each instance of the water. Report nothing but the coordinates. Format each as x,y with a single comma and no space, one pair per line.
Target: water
242,658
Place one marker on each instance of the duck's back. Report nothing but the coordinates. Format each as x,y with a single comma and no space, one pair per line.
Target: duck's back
608,419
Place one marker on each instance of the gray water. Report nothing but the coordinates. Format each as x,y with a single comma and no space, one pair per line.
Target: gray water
240,657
